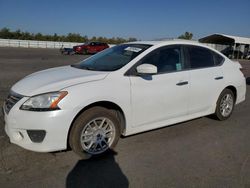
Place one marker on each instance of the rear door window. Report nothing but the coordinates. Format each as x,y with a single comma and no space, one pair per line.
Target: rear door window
200,57
218,59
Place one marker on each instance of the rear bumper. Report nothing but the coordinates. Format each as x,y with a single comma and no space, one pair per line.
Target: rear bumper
241,93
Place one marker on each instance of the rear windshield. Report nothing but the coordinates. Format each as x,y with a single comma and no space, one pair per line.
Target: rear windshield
113,58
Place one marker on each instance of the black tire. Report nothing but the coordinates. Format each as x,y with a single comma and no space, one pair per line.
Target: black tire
82,121
85,52
218,113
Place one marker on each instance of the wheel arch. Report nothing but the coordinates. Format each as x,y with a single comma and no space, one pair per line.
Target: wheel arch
234,90
230,87
217,114
106,104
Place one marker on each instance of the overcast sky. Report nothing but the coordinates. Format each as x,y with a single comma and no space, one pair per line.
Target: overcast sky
143,19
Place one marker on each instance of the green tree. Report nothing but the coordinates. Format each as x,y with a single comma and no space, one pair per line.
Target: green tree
132,39
186,35
27,36
5,33
93,38
71,37
55,37
17,34
38,36
85,38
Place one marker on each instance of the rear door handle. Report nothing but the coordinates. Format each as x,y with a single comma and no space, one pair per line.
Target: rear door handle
218,78
182,83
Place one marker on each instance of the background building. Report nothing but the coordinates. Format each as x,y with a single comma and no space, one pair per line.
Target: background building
232,46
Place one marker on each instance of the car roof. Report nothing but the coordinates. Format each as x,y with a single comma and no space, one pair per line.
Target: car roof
173,41
160,43
166,42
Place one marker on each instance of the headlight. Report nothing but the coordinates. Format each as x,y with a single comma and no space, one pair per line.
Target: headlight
44,102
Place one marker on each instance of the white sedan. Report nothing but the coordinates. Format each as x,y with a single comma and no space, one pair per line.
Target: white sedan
127,89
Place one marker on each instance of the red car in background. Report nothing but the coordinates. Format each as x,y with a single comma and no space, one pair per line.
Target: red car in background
90,47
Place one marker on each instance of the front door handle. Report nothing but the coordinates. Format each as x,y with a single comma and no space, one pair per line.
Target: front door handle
218,78
182,83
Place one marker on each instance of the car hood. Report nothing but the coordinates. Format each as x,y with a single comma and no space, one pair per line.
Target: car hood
55,79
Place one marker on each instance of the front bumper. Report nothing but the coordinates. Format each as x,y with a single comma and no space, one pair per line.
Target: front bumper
56,125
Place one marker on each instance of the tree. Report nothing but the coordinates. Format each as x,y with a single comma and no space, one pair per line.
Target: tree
5,33
55,37
186,35
74,37
27,36
85,38
39,36
17,34
132,39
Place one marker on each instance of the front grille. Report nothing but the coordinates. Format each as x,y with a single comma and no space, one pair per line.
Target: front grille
11,100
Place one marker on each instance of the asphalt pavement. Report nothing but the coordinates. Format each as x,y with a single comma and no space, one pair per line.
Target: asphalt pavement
199,153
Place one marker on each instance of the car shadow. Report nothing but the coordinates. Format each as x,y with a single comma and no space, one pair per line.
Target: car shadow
248,80
97,172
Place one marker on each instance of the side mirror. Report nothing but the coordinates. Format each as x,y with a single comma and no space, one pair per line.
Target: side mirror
146,69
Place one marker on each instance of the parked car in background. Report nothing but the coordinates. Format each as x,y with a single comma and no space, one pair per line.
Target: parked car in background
66,51
124,90
232,54
90,48
247,55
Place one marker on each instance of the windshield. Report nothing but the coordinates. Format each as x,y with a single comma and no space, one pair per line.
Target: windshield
113,58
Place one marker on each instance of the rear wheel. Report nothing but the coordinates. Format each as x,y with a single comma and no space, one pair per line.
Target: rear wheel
94,132
225,104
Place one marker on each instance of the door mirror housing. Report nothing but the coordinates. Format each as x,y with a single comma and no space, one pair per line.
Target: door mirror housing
148,69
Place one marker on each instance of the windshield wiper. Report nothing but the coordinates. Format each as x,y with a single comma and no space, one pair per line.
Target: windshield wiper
88,68
82,67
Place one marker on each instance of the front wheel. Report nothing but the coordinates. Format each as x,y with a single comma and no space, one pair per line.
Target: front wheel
94,132
85,52
225,104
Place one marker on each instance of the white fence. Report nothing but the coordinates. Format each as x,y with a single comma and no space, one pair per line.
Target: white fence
35,44
38,44
51,44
